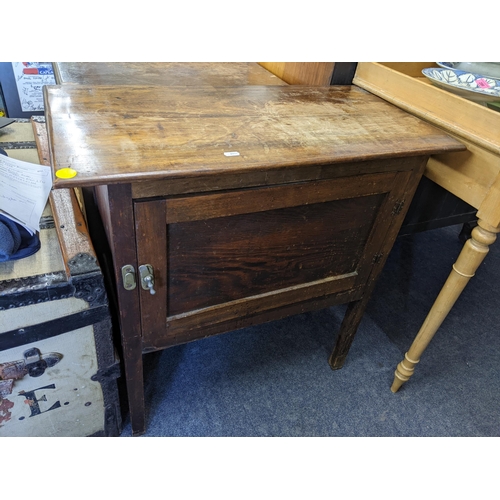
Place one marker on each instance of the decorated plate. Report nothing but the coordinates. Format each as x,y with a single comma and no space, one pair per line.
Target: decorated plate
471,86
487,69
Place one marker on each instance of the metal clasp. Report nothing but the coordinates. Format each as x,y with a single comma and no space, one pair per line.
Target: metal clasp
147,278
128,276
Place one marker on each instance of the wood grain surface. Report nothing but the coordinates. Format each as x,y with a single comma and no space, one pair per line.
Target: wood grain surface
164,73
302,73
215,261
131,133
69,221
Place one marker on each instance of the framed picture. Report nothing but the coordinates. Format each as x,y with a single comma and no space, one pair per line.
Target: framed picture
21,86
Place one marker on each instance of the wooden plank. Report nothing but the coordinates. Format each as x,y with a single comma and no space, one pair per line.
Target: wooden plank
468,174
152,249
122,232
226,258
164,73
276,176
255,305
178,333
72,231
302,73
489,210
272,198
132,133
413,69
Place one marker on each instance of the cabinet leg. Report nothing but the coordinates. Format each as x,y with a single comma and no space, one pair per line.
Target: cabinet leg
134,377
471,256
350,323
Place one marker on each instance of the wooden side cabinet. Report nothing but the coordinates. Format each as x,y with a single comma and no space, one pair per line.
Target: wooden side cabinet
229,207
221,261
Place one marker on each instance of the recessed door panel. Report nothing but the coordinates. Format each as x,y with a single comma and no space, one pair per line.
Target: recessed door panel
223,259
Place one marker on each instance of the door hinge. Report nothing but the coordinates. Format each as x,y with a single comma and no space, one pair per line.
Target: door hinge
398,207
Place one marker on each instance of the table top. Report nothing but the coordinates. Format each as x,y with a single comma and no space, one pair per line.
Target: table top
117,134
473,175
164,73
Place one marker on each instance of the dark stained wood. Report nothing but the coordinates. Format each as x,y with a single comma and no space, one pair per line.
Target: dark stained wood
255,311
121,227
303,218
146,133
219,260
152,249
276,197
389,221
271,177
164,73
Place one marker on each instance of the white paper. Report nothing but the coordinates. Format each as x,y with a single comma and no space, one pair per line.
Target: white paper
24,191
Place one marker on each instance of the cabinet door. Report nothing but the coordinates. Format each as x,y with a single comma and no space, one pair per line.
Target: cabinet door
225,260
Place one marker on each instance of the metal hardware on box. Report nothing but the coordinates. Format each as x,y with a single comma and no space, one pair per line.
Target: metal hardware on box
128,275
147,278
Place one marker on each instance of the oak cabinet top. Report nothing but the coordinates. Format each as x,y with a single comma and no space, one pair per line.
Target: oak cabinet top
116,134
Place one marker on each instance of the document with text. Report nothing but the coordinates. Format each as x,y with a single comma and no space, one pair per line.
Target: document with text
24,191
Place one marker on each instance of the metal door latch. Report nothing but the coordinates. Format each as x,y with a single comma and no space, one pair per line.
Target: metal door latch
147,278
128,277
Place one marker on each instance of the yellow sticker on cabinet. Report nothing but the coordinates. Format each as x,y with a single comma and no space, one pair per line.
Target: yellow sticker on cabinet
65,173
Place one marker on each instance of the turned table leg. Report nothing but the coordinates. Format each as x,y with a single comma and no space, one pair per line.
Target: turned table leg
471,256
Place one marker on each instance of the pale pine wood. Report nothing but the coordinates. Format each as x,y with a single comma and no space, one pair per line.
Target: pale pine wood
302,73
471,256
453,113
413,69
472,175
490,208
468,174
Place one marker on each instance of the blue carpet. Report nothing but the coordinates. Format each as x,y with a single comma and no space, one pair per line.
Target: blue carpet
274,379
